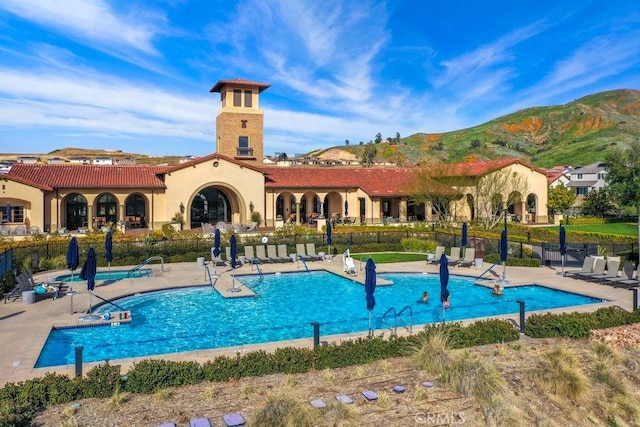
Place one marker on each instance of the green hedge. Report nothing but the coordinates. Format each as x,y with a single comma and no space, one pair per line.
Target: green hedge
577,325
20,402
512,261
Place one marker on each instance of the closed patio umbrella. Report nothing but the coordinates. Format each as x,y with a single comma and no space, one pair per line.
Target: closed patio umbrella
563,245
346,208
444,283
234,250
216,243
329,238
88,273
73,256
108,249
503,253
370,288
7,213
465,236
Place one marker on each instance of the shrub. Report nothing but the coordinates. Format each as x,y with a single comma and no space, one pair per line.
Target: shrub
102,381
577,325
413,244
150,376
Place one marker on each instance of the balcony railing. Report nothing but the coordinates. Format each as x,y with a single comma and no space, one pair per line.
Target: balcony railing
244,152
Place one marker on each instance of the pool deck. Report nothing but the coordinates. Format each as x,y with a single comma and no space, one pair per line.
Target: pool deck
24,328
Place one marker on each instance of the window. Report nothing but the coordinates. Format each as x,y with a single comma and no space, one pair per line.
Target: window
248,98
243,147
602,175
237,98
243,124
580,176
581,191
16,214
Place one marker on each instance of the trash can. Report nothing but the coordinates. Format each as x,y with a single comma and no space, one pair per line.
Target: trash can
200,261
479,262
28,297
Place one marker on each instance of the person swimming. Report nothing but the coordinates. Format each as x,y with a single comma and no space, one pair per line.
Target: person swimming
496,290
425,297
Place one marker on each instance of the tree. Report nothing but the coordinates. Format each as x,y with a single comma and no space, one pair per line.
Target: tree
346,142
475,143
623,177
560,199
425,188
597,202
503,187
368,155
378,138
397,140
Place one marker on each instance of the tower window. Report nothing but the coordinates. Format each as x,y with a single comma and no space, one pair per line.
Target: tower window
243,149
237,98
244,123
248,98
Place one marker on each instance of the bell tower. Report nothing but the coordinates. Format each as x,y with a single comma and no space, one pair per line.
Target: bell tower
240,121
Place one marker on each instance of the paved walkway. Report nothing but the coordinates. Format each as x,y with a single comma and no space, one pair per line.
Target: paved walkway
24,328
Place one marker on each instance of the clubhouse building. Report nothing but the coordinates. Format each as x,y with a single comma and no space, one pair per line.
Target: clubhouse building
233,183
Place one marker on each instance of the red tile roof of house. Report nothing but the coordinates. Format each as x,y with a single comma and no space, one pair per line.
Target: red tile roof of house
88,176
239,83
475,169
43,187
373,181
553,175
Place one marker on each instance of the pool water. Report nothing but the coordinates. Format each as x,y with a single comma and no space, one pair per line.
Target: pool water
114,275
188,319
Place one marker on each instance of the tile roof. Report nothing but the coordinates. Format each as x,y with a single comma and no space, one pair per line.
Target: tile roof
41,186
553,175
374,181
209,157
475,169
239,83
88,176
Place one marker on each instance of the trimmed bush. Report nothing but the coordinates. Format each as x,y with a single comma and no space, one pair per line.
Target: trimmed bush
577,325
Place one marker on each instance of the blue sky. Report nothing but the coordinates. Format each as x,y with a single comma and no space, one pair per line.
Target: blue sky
135,75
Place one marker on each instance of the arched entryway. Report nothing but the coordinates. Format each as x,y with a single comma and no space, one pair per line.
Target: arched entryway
76,208
106,210
286,207
135,207
210,205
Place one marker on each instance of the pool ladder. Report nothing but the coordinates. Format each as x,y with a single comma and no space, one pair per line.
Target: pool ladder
145,262
304,263
392,319
255,262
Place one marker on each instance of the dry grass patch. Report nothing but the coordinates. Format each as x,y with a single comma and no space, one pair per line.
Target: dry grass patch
558,373
284,409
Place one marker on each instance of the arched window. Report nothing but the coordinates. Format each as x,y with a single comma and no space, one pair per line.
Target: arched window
76,212
135,211
107,209
210,206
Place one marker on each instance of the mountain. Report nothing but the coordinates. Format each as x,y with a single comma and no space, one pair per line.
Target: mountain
577,133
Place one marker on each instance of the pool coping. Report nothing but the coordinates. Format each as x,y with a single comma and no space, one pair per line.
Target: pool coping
25,328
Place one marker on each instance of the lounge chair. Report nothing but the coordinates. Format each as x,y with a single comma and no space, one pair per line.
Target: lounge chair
469,258
284,253
272,253
598,269
251,227
217,260
627,274
249,255
587,267
311,252
612,271
348,264
21,286
261,255
301,252
436,256
454,256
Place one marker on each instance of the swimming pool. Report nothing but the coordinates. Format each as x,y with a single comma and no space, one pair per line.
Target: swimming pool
199,318
106,275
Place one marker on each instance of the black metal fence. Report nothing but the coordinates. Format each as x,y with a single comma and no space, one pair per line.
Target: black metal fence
132,252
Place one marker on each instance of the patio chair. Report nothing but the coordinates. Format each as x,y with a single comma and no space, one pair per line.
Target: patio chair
436,256
217,260
251,227
612,271
261,255
348,264
469,258
249,255
454,256
311,252
628,282
301,252
283,253
587,267
598,269
18,289
272,253
627,274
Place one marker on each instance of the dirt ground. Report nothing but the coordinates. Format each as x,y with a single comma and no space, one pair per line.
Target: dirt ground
525,404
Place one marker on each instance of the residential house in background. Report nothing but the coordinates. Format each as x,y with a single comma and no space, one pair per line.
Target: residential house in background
584,179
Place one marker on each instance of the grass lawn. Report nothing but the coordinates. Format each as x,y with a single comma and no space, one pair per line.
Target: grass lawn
620,229
386,257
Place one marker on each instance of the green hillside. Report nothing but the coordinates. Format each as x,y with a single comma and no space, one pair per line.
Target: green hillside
577,133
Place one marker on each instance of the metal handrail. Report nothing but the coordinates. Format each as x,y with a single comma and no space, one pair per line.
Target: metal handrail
211,281
399,316
304,263
109,302
145,262
395,322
